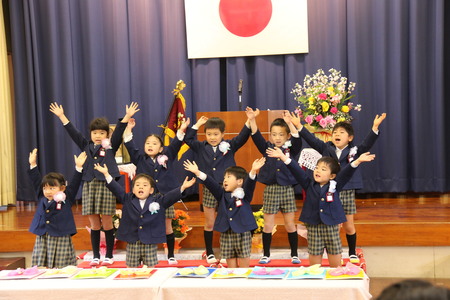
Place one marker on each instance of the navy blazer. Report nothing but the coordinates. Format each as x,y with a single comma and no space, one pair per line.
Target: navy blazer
215,164
48,219
329,149
139,223
239,219
274,170
93,155
165,177
316,209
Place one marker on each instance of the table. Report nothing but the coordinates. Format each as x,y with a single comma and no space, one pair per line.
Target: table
261,289
161,286
86,289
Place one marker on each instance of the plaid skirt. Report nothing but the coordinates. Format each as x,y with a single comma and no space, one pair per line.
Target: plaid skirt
53,252
208,199
170,213
348,201
279,198
235,245
139,252
322,237
97,199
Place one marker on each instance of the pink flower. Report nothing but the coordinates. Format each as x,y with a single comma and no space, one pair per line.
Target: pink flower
319,117
309,119
323,123
334,110
59,197
322,96
162,160
106,143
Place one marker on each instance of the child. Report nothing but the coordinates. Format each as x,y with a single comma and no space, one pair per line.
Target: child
99,204
53,221
279,192
213,156
235,218
322,209
157,162
143,216
341,147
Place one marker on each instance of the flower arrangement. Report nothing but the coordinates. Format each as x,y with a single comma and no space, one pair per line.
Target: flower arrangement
324,99
116,219
179,225
259,218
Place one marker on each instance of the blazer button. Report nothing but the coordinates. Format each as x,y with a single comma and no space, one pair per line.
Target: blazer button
321,210
156,170
156,180
231,208
278,159
140,227
142,216
322,199
95,157
214,169
278,170
231,219
214,158
47,211
47,222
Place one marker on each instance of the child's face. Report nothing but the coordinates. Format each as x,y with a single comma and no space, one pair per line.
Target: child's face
49,191
230,182
214,136
153,146
279,136
98,135
340,137
142,188
322,173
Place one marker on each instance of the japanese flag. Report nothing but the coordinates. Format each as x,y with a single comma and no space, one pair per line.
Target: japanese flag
224,28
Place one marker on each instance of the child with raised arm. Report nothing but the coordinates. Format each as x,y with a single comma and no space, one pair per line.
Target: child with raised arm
322,209
53,222
157,162
143,216
279,192
342,148
99,204
213,156
235,218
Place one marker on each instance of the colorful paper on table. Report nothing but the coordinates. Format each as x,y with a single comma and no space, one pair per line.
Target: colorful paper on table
223,273
195,272
20,273
98,273
66,272
350,271
268,273
313,272
137,273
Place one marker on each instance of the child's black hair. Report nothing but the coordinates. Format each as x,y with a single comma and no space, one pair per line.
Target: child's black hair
99,124
146,176
214,123
238,172
346,126
53,179
157,137
282,123
331,162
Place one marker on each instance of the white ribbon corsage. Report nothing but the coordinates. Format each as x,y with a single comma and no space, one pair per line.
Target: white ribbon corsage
106,144
332,187
59,197
238,193
224,147
352,153
162,160
154,207
286,147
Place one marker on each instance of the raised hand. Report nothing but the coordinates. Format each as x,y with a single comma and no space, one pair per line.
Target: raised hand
58,110
274,152
187,183
130,111
102,169
201,121
366,157
378,120
32,158
257,164
80,159
191,167
251,114
184,124
295,119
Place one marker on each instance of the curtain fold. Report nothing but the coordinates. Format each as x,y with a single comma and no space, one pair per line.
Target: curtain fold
7,157
94,57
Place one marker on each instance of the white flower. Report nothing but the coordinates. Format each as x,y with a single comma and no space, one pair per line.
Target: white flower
154,207
162,160
332,187
106,144
238,193
287,144
352,153
224,147
59,197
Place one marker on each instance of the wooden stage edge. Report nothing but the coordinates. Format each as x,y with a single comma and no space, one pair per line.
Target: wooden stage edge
392,220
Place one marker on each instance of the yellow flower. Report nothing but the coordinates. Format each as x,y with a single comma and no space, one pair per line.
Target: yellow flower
345,108
311,100
312,107
341,119
325,106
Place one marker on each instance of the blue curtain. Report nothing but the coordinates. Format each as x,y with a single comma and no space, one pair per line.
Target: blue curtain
95,56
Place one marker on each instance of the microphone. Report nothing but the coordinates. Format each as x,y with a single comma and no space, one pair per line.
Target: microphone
240,86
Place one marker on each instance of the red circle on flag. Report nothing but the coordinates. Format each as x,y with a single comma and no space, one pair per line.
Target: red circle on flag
245,17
